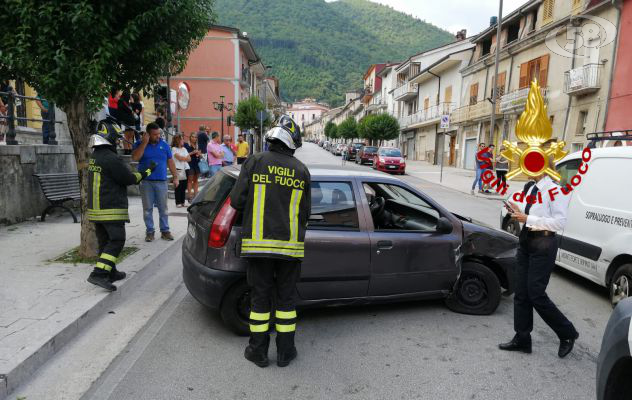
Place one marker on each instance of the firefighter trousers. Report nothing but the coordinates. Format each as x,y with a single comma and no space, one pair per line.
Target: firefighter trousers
273,283
111,239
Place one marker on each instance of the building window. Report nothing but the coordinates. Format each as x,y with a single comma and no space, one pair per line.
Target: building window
513,32
313,116
500,87
582,121
547,11
487,46
473,93
537,68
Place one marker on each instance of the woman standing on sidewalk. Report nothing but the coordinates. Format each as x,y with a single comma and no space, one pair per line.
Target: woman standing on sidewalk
193,173
182,159
502,167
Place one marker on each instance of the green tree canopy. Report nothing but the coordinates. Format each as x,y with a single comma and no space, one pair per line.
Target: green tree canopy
348,129
73,51
331,130
377,127
246,114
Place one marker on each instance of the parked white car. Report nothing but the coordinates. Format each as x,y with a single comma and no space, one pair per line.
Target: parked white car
597,240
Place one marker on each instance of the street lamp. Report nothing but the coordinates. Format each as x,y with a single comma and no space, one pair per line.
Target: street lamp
221,106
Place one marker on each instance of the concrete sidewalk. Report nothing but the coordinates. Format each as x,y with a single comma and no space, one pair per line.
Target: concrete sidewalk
454,178
45,304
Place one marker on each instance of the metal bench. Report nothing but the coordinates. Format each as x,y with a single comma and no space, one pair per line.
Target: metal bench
59,188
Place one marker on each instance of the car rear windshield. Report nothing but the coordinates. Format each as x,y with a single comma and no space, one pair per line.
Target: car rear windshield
213,194
370,149
390,153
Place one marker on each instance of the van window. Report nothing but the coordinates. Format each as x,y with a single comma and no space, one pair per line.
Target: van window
607,183
333,206
567,170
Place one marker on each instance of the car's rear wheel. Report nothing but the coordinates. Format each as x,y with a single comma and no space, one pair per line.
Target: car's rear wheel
235,308
621,285
477,292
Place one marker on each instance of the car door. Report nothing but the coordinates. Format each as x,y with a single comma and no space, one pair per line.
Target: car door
413,259
337,247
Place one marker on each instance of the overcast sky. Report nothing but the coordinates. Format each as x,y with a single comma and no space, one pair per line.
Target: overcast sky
453,15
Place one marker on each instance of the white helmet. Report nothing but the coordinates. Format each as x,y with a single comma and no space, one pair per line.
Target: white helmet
286,131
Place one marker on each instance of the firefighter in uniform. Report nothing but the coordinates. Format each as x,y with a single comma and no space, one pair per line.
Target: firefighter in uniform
273,194
107,201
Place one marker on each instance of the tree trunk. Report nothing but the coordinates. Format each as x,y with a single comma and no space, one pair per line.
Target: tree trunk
79,127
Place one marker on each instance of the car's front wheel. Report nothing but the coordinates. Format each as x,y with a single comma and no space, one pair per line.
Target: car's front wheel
235,308
512,226
621,286
477,292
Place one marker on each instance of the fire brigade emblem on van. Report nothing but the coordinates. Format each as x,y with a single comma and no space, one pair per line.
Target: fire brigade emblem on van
534,129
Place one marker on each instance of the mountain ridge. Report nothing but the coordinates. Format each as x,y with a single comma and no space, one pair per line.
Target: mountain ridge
319,49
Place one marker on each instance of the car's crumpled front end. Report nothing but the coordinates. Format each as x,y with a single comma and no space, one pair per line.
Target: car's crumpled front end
492,247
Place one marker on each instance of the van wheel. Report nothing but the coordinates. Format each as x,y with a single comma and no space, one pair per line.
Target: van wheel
621,285
512,226
235,308
477,292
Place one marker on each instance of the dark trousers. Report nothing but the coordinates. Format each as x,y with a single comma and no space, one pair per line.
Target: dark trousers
273,282
536,259
501,175
45,127
111,239
180,191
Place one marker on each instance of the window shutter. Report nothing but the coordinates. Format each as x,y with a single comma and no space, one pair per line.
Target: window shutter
492,49
524,75
500,87
426,103
547,11
447,97
544,70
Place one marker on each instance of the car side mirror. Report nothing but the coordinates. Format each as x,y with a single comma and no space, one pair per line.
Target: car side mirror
444,225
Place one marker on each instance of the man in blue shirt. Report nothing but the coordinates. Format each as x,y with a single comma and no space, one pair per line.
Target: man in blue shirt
154,188
229,154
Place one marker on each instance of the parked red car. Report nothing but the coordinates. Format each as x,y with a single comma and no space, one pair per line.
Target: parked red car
389,159
366,154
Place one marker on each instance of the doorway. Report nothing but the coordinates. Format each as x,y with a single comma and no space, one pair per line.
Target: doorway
452,157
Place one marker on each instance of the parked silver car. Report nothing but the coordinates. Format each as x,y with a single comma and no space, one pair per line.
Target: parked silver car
371,238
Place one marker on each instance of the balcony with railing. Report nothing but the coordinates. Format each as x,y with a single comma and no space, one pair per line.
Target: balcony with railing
582,80
426,116
514,102
473,112
377,103
405,92
246,77
367,93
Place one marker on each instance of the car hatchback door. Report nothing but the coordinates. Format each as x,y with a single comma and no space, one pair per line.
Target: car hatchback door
336,263
413,257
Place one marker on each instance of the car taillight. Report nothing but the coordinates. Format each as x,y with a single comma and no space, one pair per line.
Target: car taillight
222,225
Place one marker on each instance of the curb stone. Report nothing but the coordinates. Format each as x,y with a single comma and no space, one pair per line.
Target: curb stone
10,380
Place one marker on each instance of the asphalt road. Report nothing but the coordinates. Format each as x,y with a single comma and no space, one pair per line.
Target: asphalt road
414,350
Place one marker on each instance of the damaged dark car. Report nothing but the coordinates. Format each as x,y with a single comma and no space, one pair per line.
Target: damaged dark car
371,238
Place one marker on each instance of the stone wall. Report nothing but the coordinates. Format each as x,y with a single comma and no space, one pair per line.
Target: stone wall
21,197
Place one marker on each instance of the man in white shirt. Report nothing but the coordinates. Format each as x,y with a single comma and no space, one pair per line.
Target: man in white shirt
543,217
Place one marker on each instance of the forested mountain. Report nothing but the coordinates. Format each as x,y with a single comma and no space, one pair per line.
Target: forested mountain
321,49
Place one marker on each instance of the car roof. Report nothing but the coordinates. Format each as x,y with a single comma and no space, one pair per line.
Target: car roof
331,171
602,152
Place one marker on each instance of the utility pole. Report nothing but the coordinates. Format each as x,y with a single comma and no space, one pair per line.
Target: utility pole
492,120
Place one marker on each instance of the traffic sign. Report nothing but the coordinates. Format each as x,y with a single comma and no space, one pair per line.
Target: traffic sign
445,121
261,116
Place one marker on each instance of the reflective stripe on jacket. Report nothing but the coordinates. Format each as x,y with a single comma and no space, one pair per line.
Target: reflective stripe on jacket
109,177
273,193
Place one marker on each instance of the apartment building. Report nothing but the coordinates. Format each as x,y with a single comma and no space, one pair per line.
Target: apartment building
306,111
372,95
423,92
225,63
534,44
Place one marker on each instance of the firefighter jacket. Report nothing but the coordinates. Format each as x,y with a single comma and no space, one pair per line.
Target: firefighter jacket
273,193
109,177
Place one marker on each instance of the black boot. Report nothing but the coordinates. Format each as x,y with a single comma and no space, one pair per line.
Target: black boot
101,277
257,350
518,343
286,351
116,275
